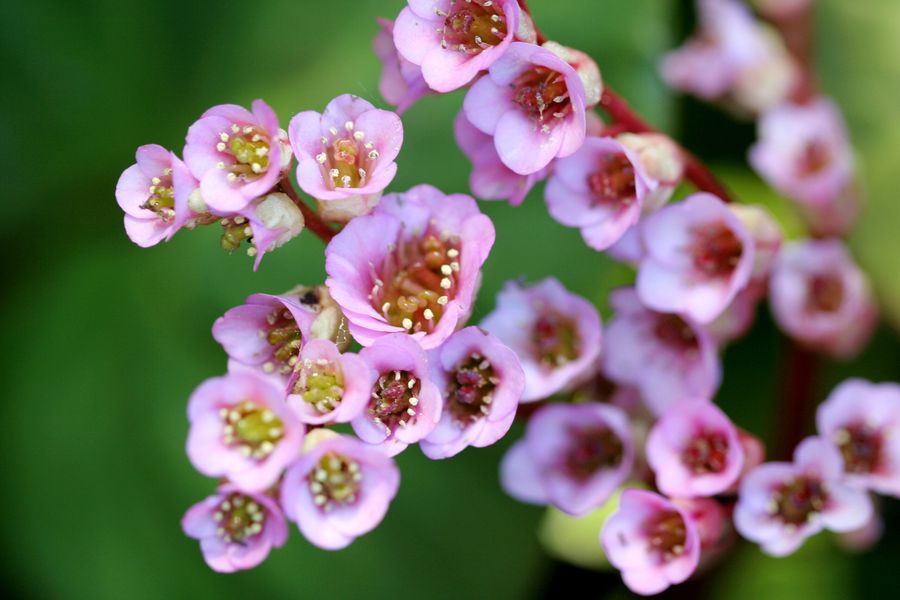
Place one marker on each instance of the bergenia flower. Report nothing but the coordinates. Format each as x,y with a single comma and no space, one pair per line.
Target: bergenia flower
555,334
268,222
404,404
694,450
154,193
401,82
339,490
821,298
236,154
490,178
242,429
412,266
453,40
347,152
327,386
698,256
782,504
481,382
573,456
863,420
667,357
236,530
533,103
266,331
663,165
652,541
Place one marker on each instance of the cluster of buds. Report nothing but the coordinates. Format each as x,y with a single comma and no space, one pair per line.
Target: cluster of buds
623,413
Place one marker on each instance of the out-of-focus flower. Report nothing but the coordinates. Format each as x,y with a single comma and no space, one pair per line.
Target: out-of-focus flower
782,504
821,298
481,382
573,456
766,234
327,386
236,530
401,82
662,162
412,266
555,334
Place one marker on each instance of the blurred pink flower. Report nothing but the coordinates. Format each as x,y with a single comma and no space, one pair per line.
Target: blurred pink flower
401,82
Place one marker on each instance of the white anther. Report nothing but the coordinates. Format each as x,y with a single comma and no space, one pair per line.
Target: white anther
452,252
333,130
413,401
334,173
428,314
256,168
321,158
220,165
443,300
446,270
411,412
235,128
373,154
231,177
446,283
349,125
220,146
262,151
359,135
407,323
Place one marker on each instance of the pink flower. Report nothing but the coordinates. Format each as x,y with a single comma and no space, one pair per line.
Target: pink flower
652,541
490,178
699,255
782,504
237,155
404,404
346,152
573,456
267,223
411,266
767,238
154,195
667,357
804,152
555,334
481,382
266,332
327,386
662,163
863,420
694,450
241,429
821,298
533,103
236,530
339,490
401,82
452,40
599,189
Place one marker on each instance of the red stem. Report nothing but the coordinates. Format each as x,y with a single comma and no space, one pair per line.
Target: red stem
312,221
794,413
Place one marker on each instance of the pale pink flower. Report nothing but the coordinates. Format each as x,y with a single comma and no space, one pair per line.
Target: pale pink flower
555,334
662,162
273,220
767,238
573,456
401,82
481,382
236,530
327,386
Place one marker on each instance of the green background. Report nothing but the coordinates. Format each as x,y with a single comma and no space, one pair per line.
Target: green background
103,341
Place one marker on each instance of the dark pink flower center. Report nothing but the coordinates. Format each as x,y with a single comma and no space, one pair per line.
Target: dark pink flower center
473,25
335,480
347,159
248,147
862,448
716,250
285,338
252,429
543,95
471,387
667,533
798,500
706,452
161,196
239,517
394,400
555,339
592,449
675,333
825,293
613,183
815,158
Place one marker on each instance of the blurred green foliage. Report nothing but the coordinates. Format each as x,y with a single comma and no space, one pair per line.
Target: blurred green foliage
104,342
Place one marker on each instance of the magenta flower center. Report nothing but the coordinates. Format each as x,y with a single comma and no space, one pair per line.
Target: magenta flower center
543,95
717,250
471,389
825,293
395,400
676,334
347,159
613,183
335,481
321,384
815,158
238,517
555,339
419,277
706,452
472,25
252,429
667,533
592,449
284,337
799,500
862,448
248,148
161,196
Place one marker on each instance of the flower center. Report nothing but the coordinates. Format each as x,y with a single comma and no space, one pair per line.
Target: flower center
861,447
706,452
472,25
321,384
162,196
419,277
815,158
717,250
667,533
251,429
347,158
799,500
285,339
471,389
675,333
542,93
335,480
555,339
592,449
613,183
394,400
248,146
825,293
238,518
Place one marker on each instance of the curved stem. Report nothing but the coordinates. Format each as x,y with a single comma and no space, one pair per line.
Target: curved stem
794,412
312,221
